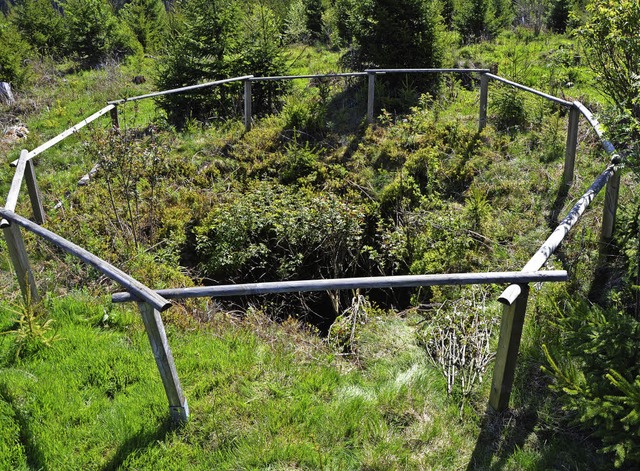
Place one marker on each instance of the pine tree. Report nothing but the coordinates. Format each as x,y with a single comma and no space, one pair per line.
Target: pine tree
41,24
94,32
218,40
147,21
314,17
13,50
471,20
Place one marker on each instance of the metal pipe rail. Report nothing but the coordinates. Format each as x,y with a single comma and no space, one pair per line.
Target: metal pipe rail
597,127
180,90
63,135
132,285
402,281
536,262
560,101
293,77
427,71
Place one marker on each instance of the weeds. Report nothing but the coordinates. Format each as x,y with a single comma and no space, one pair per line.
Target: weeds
457,339
31,332
344,332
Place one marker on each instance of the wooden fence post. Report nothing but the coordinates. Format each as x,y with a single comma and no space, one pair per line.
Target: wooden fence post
484,93
610,207
508,346
34,193
178,407
371,96
20,261
572,143
115,120
247,105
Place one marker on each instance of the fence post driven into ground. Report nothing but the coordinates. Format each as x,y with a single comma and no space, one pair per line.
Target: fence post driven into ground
34,193
247,105
572,144
371,95
20,261
178,406
115,119
610,207
484,94
508,346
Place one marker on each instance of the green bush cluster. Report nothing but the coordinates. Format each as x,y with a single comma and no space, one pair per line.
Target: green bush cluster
272,232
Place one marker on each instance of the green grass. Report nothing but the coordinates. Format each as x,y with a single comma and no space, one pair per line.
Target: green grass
262,396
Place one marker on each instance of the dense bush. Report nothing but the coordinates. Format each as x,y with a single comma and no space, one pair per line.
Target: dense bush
271,232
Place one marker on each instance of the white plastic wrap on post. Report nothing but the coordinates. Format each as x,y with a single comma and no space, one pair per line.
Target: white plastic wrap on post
63,135
16,184
536,262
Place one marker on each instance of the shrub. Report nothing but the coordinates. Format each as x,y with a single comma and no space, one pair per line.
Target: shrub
611,37
300,164
271,232
509,108
596,370
457,338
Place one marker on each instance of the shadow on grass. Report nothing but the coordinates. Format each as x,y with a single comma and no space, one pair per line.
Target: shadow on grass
558,204
34,455
138,443
501,434
536,434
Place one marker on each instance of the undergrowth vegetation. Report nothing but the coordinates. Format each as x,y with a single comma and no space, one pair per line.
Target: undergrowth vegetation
387,379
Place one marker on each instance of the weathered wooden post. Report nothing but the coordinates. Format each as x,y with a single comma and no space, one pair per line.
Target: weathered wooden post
115,120
34,193
247,105
20,262
484,93
13,236
508,346
371,95
610,207
572,144
178,406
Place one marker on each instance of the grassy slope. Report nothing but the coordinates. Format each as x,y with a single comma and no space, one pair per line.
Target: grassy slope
264,395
